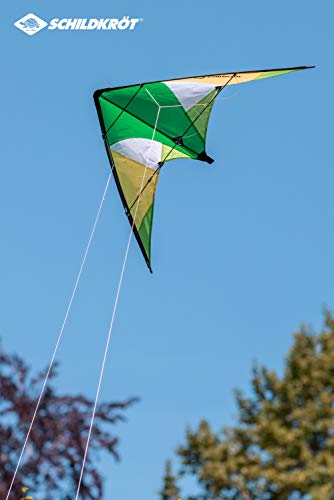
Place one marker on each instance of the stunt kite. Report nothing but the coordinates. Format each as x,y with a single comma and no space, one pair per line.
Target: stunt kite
147,124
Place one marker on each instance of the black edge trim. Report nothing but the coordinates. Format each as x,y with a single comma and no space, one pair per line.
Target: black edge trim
96,96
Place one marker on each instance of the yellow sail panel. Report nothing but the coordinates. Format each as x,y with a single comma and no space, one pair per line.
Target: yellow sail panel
131,178
224,79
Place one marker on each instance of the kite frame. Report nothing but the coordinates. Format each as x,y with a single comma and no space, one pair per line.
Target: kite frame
96,97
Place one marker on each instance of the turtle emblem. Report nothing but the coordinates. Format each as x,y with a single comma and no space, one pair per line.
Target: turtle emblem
30,24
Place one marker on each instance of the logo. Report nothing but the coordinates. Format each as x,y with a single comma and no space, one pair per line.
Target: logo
30,24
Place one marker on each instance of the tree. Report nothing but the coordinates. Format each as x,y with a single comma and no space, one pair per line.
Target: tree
53,458
170,490
283,445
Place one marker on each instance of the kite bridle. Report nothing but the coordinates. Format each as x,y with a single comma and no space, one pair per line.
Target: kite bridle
178,141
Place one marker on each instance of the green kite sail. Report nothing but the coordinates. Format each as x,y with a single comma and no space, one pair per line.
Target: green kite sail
148,124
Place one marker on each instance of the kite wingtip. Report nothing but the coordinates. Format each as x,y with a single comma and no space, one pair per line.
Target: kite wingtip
149,266
204,157
96,94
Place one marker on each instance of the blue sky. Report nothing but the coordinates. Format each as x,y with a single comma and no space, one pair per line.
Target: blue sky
242,250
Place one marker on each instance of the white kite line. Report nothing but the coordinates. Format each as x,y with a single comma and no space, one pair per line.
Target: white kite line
59,338
114,312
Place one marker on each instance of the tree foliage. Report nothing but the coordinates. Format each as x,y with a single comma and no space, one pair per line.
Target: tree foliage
170,490
283,444
54,454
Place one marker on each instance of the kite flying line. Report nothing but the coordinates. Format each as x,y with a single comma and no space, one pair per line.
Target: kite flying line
114,313
59,337
135,202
